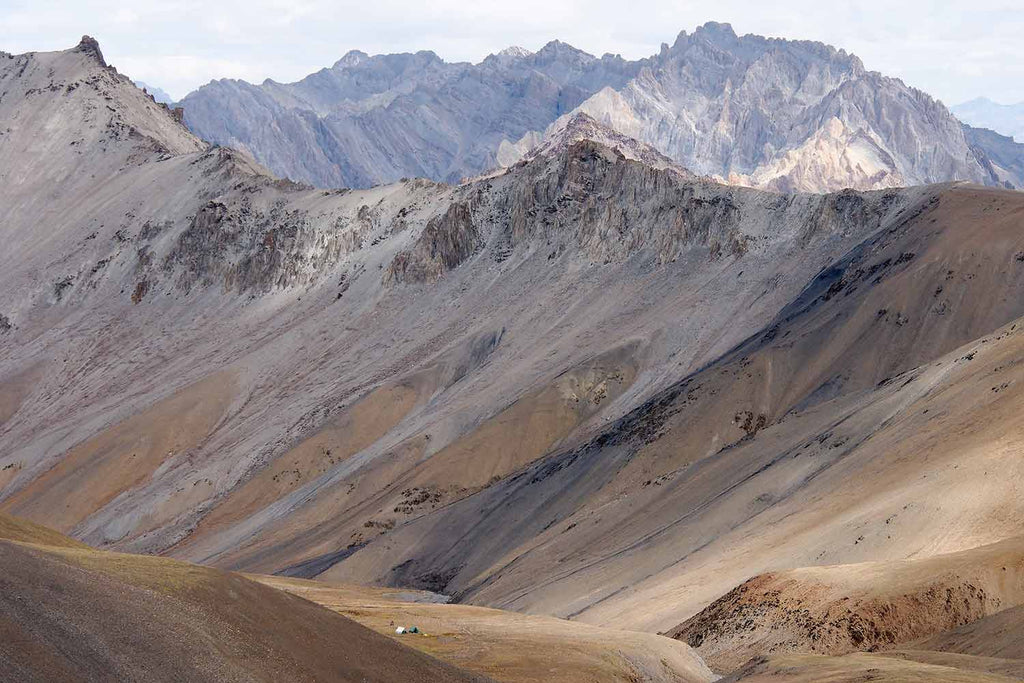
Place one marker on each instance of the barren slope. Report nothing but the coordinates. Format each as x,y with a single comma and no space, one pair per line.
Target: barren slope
782,454
998,635
195,347
589,386
70,613
869,606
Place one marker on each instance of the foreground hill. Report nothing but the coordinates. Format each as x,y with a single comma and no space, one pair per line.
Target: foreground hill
74,614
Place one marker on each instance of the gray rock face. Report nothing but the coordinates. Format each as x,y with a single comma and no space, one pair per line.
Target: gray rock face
446,241
786,116
371,120
1002,156
774,114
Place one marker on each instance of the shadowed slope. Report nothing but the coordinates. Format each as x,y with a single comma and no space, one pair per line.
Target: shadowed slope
860,667
999,635
75,614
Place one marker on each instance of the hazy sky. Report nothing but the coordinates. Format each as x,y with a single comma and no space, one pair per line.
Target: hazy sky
954,50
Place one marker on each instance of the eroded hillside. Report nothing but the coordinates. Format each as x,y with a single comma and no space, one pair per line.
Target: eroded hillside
592,385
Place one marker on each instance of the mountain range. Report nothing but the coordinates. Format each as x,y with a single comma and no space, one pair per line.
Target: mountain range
370,120
1007,119
637,423
774,114
159,95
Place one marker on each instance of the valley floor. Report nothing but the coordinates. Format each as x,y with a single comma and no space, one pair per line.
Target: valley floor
506,646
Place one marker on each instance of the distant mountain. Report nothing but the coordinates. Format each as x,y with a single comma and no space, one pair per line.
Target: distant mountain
1002,156
775,114
786,116
158,94
982,112
371,120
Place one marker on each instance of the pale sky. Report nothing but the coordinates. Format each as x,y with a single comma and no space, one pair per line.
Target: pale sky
954,50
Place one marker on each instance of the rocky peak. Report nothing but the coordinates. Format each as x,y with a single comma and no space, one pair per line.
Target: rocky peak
746,107
90,46
95,112
716,32
556,50
580,126
766,112
428,56
515,52
342,126
351,58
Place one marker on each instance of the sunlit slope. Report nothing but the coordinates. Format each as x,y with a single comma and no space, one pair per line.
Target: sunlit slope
780,454
870,606
505,645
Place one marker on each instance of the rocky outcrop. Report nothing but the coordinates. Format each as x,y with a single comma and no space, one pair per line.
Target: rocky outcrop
447,241
841,609
577,127
90,46
257,240
591,200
